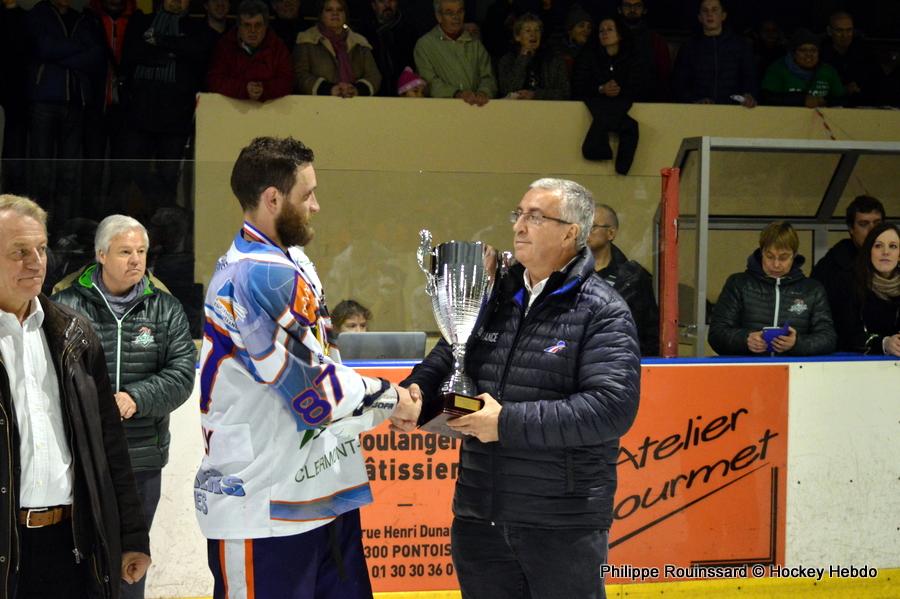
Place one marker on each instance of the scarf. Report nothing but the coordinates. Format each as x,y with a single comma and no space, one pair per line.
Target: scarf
164,24
886,288
339,43
797,70
119,304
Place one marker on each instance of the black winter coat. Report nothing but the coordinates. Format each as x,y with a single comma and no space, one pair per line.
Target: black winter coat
715,67
836,271
568,377
107,517
752,300
152,358
635,284
160,106
863,320
594,67
543,73
68,63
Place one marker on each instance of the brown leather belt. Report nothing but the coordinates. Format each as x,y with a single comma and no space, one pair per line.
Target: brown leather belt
37,517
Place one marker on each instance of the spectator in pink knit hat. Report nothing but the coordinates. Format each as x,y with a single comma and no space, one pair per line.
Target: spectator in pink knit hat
410,85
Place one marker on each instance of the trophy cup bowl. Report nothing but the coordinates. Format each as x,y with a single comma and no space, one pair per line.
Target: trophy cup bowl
459,277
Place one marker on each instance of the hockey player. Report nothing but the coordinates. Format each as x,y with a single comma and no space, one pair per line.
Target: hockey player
279,490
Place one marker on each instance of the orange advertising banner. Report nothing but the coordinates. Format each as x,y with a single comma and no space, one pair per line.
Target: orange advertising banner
701,482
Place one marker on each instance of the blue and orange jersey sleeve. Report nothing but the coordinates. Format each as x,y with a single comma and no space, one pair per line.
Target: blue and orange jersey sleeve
282,350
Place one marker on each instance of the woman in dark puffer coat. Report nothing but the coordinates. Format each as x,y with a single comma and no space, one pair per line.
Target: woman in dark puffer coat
773,292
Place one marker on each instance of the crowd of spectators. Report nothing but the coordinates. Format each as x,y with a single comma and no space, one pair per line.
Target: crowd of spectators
851,303
82,84
107,80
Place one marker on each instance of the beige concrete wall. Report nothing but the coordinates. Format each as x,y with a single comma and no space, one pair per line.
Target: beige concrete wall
389,167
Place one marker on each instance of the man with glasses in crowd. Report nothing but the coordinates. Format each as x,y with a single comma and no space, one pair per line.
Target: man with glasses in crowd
556,362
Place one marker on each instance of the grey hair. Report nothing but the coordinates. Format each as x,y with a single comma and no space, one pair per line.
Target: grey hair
577,205
23,207
610,210
112,225
437,4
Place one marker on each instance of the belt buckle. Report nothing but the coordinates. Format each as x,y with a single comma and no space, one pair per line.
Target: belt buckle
36,510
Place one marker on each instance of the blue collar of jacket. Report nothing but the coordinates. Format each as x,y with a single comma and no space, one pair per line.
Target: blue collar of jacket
559,283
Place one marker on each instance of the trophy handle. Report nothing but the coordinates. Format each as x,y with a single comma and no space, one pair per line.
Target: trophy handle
424,250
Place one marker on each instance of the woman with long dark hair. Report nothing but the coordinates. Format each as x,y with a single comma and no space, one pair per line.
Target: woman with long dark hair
608,79
867,314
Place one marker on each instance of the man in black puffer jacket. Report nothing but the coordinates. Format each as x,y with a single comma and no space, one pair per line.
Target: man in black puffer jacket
557,364
148,347
773,292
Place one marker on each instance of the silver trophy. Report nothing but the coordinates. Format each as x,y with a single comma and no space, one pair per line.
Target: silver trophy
459,278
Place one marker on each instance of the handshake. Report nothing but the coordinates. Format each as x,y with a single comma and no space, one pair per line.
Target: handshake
405,416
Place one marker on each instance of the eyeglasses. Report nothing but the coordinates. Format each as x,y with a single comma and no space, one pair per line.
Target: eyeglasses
534,218
594,227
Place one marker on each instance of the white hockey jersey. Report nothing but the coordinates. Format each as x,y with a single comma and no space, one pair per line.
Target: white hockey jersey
280,418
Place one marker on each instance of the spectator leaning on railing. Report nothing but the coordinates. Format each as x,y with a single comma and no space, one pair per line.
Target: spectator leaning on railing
455,64
250,61
717,66
530,71
331,59
800,78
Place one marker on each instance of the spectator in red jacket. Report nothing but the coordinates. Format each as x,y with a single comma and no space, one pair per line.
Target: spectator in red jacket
251,62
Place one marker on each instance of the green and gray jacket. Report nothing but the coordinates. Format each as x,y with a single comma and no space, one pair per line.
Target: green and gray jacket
150,355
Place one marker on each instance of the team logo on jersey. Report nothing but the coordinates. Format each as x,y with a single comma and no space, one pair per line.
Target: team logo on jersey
798,307
555,349
212,481
144,337
304,304
228,309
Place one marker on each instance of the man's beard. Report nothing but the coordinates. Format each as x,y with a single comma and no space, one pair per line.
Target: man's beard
292,228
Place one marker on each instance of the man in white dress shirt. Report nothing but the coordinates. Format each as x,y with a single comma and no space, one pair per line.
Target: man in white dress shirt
70,519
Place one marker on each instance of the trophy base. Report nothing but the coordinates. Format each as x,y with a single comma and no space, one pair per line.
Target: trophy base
452,405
